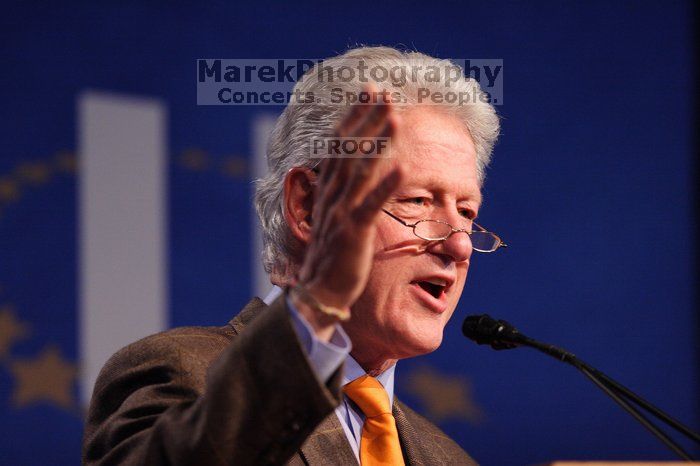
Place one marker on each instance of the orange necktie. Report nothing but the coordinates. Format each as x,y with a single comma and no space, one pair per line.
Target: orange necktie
379,444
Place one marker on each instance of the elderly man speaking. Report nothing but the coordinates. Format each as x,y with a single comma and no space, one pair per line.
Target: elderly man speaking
369,256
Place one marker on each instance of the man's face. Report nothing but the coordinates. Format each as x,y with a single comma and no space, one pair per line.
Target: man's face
415,285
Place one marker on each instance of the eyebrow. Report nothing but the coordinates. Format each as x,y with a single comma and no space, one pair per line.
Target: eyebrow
423,183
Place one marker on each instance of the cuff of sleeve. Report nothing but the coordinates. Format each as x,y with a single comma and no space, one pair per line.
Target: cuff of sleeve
325,358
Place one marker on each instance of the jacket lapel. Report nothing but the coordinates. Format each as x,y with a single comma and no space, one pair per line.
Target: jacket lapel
328,441
418,448
328,444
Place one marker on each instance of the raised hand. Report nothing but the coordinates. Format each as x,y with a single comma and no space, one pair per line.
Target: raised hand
349,194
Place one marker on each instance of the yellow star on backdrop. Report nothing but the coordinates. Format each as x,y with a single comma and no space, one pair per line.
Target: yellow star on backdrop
445,396
48,378
9,190
11,330
194,159
34,173
235,167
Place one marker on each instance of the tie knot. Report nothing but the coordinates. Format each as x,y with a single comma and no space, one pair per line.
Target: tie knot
369,395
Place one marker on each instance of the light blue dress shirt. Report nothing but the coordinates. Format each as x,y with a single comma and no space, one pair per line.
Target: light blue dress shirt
326,358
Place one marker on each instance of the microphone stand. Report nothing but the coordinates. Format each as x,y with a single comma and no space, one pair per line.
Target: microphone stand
500,335
639,417
618,392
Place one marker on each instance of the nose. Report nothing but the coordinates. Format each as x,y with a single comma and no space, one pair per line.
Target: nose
458,246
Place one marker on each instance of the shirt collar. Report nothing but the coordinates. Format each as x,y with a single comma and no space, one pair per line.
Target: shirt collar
273,294
352,369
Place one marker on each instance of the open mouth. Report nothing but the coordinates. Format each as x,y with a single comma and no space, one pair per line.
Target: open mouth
432,293
434,289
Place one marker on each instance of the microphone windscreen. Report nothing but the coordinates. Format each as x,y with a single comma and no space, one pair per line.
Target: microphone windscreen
485,330
480,328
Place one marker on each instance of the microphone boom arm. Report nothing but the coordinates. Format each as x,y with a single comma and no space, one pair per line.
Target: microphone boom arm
501,335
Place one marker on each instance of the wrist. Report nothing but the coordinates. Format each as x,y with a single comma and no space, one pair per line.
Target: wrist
322,324
323,305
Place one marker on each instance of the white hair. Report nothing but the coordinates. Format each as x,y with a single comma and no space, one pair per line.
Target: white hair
290,141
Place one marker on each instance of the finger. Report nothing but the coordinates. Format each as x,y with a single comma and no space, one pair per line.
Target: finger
349,178
369,208
335,201
378,124
358,112
331,166
364,173
328,166
366,115
390,127
374,121
363,179
366,121
331,185
332,198
355,115
349,167
334,184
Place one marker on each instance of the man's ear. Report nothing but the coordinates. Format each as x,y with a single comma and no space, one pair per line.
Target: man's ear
299,202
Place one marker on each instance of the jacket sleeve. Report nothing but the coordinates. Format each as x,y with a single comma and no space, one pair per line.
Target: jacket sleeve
160,400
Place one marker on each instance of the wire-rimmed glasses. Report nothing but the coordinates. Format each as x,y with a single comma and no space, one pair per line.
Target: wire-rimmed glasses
439,230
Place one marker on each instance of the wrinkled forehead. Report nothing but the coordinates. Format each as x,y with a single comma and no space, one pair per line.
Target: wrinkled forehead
437,150
446,179
428,130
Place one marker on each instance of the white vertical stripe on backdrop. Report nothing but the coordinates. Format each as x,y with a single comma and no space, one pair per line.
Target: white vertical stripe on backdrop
122,247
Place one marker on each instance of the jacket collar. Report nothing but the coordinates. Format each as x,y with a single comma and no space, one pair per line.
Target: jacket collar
419,448
329,441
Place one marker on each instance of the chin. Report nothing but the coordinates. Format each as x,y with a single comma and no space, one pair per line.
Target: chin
418,344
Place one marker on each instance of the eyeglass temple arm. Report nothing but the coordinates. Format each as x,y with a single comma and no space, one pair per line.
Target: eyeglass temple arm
402,222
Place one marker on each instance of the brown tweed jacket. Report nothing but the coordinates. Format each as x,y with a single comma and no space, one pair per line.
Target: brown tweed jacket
242,394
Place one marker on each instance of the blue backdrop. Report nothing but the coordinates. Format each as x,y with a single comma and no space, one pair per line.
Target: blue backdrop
591,185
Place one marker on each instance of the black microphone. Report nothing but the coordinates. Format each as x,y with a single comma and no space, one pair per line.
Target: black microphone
499,334
485,330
